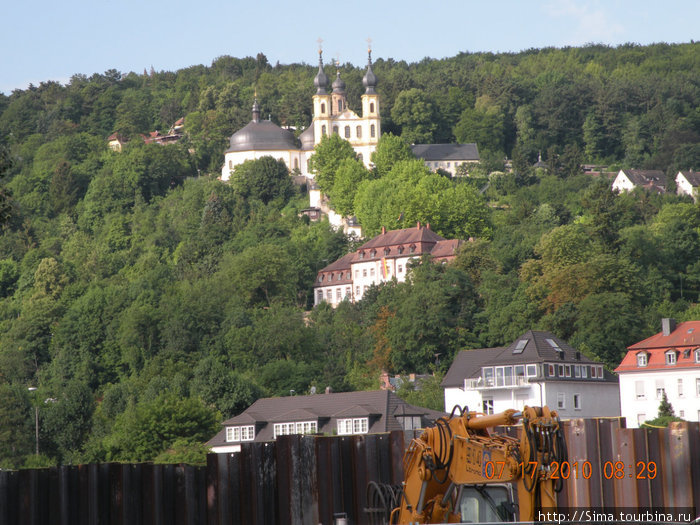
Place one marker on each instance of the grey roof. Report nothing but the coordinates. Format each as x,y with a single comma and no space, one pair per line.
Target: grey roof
537,349
434,152
381,406
263,135
307,138
650,178
693,177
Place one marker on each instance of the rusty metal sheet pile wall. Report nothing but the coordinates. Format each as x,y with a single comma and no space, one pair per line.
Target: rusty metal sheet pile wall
302,480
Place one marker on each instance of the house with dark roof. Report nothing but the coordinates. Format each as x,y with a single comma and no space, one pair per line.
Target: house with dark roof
687,183
447,157
536,369
652,180
343,413
381,259
667,362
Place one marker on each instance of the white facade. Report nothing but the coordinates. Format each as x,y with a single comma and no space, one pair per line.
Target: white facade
571,399
294,159
687,184
641,393
622,183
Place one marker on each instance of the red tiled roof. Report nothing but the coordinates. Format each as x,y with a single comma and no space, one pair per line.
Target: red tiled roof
683,340
446,248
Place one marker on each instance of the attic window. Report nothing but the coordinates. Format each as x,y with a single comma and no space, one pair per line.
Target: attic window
554,345
412,248
671,357
400,249
520,346
642,359
690,330
362,255
386,251
374,253
320,278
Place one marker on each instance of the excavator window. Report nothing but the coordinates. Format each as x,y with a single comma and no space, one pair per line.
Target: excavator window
486,504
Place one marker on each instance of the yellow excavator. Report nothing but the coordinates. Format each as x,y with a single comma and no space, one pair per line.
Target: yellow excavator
459,472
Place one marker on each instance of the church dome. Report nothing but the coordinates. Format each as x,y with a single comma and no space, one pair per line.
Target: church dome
307,139
338,84
369,81
321,79
262,135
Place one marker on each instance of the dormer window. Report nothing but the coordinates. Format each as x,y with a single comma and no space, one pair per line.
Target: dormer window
412,248
671,357
340,276
374,253
400,250
642,359
386,251
320,278
362,255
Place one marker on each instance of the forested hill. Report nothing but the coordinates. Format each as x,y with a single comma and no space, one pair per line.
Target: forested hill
146,300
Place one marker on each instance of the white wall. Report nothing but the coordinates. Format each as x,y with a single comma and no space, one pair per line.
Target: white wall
633,406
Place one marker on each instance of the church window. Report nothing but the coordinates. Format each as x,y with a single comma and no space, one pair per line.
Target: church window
340,106
296,164
323,108
347,132
372,131
358,132
359,157
371,107
335,129
323,130
230,164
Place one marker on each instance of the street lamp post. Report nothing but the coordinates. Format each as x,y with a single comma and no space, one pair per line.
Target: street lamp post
36,420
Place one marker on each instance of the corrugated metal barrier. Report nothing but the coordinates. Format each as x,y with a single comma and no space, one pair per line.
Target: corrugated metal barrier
306,480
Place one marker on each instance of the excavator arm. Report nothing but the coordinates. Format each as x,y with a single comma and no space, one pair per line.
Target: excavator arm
459,451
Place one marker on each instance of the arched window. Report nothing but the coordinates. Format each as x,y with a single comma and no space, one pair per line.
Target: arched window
296,164
323,108
359,157
323,130
230,164
340,105
347,132
371,107
358,132
372,131
335,129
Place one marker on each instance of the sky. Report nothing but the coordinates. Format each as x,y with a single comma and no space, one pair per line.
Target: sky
45,40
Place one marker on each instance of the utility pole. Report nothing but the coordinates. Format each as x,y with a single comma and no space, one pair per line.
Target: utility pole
36,419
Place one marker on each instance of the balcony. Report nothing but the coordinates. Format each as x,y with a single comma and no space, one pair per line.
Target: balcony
493,384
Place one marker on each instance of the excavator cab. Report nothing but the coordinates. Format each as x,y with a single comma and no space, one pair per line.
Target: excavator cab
486,503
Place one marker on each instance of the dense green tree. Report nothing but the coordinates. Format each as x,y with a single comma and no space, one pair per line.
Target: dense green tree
415,113
264,179
328,155
348,177
390,150
153,426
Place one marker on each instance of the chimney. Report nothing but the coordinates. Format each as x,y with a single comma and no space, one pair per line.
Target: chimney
668,325
418,225
427,225
329,390
383,230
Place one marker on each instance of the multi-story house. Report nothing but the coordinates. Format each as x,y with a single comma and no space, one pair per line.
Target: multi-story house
381,259
536,369
667,362
340,414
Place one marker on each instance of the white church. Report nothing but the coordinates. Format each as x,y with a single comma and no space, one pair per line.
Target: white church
331,114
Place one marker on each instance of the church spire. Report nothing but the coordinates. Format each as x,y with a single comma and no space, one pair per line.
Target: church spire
369,81
256,108
320,80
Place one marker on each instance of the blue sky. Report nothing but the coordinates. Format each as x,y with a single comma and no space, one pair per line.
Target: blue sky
49,40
